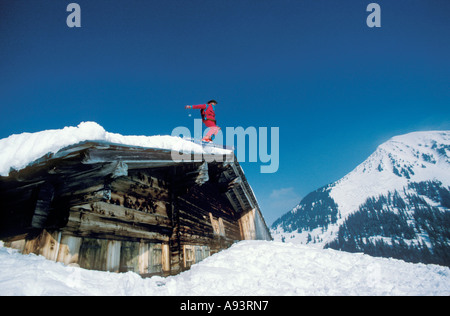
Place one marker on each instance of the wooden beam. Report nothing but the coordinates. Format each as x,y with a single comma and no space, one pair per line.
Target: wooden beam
42,209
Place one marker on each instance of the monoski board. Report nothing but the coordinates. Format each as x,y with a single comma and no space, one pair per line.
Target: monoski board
208,144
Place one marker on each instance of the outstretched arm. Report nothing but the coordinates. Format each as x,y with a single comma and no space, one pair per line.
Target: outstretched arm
199,106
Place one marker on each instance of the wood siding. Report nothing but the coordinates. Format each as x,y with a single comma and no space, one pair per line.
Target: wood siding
84,207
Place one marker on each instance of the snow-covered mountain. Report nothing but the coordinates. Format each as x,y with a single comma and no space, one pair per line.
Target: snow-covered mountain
396,203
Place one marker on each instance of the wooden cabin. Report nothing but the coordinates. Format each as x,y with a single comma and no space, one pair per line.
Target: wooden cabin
121,208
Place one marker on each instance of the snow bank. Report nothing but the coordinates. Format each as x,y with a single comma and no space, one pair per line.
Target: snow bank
247,268
17,151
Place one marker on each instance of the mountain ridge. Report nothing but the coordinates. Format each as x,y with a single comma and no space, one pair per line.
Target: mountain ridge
414,168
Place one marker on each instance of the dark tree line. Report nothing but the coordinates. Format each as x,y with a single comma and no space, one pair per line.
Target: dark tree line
389,226
317,209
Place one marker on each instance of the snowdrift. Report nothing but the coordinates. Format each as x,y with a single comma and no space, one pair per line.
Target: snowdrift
247,268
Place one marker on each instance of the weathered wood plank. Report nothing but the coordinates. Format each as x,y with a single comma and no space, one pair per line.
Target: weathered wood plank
69,250
113,256
45,244
247,224
166,261
88,224
93,254
143,257
129,256
145,205
120,213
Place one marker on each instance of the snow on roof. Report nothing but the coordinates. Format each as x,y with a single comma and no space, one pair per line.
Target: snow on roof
19,150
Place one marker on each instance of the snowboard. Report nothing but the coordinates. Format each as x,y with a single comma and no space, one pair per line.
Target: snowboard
208,144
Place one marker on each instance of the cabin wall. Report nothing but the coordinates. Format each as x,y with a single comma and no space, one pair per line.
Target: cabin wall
207,224
118,225
247,225
149,221
137,223
124,226
253,227
145,258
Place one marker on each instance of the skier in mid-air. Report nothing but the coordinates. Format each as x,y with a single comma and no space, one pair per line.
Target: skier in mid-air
208,117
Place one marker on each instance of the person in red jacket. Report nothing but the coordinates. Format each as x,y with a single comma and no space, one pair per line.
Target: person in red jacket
208,117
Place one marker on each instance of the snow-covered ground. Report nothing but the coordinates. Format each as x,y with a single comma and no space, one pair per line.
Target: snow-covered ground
247,268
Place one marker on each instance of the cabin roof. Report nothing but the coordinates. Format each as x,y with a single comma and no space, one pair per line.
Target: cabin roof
116,159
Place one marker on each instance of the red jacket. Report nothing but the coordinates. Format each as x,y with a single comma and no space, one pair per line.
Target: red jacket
208,113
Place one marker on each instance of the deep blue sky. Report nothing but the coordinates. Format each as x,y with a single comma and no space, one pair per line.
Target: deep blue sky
335,87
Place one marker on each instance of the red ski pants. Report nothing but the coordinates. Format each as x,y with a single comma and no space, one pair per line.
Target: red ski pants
213,130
